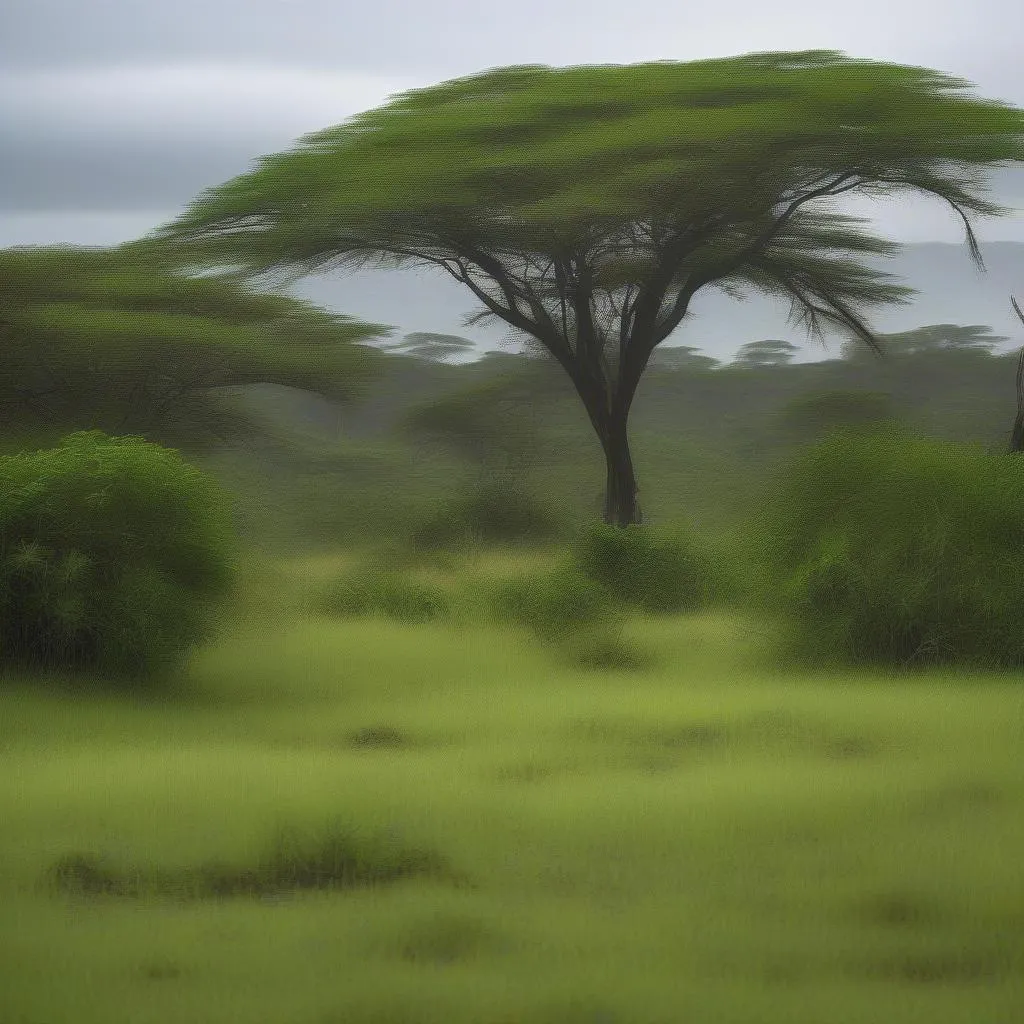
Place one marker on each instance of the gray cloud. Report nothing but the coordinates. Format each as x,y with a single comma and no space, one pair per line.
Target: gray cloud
444,36
114,175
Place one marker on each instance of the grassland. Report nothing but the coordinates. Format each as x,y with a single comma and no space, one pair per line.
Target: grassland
470,829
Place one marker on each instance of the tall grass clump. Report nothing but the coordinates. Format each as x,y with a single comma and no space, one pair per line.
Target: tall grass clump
658,574
114,554
892,550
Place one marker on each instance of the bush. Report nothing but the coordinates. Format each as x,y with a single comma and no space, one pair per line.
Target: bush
557,604
440,530
658,575
112,553
495,512
572,613
499,511
892,550
383,592
808,416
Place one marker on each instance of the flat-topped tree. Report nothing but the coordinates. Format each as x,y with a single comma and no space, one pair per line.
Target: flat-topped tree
682,357
976,339
771,352
100,338
586,206
432,347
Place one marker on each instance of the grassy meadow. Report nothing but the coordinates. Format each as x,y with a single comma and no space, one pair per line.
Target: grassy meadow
365,821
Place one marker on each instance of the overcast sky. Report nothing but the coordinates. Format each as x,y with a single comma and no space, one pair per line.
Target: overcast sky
114,114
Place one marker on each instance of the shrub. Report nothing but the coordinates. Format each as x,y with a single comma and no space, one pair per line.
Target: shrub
380,591
495,512
500,510
656,574
113,552
441,530
808,416
556,604
896,550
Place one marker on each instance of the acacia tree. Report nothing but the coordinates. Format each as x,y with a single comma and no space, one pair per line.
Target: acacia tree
682,357
92,339
976,339
586,206
771,352
432,347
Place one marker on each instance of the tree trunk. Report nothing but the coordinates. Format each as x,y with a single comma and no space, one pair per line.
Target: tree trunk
621,507
1017,437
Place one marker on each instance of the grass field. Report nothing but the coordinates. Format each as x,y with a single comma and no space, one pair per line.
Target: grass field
475,832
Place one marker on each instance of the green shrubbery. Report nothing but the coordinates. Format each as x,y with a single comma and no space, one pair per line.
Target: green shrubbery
556,603
655,574
495,512
374,591
567,610
896,550
113,552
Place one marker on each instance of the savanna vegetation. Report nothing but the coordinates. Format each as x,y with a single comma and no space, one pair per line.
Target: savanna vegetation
327,695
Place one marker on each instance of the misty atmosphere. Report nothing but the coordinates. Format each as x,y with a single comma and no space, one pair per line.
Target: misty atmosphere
611,615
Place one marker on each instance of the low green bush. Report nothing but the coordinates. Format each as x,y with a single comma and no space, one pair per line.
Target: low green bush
439,530
657,574
494,512
114,556
377,591
898,551
503,511
556,604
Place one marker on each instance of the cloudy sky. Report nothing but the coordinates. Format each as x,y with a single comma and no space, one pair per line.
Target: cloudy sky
114,114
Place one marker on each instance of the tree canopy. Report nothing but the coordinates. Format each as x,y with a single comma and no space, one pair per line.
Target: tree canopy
92,338
430,346
770,352
586,206
975,338
682,357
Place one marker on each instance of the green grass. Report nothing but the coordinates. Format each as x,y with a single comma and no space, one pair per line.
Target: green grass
364,821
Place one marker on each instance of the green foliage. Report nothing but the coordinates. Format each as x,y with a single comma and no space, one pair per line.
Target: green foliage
498,142
686,358
896,550
974,339
771,352
485,422
659,575
501,510
439,531
556,604
493,512
101,338
113,552
556,188
571,613
379,591
815,414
